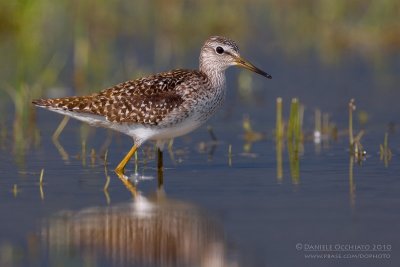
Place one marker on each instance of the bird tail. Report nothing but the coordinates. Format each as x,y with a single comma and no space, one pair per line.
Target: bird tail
74,103
43,102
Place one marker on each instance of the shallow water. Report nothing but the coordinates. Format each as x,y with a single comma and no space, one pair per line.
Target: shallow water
230,210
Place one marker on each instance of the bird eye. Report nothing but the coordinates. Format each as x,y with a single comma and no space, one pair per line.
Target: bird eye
219,50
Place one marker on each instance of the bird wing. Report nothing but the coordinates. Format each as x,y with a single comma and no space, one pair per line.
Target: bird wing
146,100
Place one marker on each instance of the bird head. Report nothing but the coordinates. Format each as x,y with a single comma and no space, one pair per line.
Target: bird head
219,53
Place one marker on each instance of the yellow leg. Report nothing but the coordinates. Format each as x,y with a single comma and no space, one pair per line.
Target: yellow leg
129,185
121,166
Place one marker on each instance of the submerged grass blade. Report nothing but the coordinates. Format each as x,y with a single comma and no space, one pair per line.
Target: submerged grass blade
279,119
356,148
294,137
279,159
230,155
352,107
385,151
41,177
279,128
294,109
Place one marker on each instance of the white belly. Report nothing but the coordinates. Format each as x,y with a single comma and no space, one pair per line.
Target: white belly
138,132
156,133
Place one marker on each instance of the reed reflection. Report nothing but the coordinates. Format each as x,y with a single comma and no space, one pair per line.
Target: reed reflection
149,231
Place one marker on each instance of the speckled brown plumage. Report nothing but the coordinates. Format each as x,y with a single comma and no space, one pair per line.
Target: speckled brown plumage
144,101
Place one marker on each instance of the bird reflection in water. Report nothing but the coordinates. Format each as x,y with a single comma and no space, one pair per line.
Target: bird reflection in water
150,231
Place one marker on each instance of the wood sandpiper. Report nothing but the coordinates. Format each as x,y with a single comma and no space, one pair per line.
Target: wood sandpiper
161,106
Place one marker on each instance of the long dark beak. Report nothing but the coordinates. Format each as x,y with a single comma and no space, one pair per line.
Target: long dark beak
245,64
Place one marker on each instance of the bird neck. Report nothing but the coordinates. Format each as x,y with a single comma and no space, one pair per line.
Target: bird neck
215,73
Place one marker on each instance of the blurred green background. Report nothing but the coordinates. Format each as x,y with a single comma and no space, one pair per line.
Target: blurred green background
90,40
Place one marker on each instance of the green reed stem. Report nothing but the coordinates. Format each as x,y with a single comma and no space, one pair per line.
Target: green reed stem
293,132
352,107
279,120
41,177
